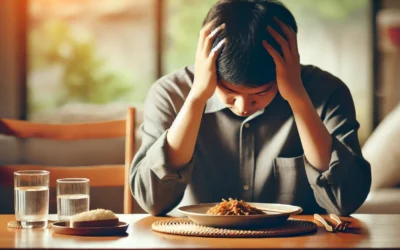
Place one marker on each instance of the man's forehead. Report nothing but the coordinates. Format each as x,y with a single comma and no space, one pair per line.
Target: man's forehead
246,89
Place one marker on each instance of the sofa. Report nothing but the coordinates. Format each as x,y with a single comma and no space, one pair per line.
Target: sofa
383,153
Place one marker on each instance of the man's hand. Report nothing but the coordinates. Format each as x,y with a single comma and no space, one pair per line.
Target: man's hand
288,71
205,75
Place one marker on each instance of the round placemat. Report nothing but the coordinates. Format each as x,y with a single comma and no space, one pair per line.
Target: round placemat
183,226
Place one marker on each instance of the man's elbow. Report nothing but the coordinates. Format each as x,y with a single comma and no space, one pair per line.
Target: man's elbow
341,211
355,196
156,211
349,205
152,205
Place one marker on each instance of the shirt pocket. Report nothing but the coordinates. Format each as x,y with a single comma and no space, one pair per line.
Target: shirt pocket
291,180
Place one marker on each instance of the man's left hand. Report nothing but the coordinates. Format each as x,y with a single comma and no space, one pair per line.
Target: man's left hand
288,71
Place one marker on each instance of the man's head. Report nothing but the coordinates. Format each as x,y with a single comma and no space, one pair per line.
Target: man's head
246,72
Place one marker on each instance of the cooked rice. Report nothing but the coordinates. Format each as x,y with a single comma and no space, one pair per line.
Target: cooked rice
233,207
92,215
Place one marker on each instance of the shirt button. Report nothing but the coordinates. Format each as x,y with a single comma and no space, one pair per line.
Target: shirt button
246,187
246,125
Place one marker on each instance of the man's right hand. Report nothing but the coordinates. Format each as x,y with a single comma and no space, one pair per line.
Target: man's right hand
205,75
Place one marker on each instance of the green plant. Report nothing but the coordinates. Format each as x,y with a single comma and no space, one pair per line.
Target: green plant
183,25
327,10
87,78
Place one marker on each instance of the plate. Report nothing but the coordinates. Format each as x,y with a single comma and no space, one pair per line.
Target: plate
62,227
276,214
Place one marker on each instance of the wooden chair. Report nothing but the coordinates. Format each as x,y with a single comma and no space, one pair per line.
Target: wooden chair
95,130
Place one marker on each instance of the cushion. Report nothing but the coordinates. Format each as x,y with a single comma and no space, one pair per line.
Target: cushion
382,151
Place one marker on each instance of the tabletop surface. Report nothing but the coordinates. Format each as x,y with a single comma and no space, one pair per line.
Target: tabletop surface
366,231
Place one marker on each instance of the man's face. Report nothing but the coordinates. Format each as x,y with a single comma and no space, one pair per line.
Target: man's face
245,101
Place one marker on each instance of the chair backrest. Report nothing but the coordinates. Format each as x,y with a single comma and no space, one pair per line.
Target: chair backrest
98,175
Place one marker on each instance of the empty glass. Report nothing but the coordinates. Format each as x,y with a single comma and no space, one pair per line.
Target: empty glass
31,198
72,197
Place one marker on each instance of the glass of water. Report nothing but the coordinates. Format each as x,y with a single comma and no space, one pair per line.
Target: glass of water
72,197
31,198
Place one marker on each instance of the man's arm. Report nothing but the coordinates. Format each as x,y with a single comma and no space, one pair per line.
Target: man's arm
342,188
315,138
163,165
183,132
338,175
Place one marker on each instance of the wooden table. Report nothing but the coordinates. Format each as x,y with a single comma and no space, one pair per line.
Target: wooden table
366,231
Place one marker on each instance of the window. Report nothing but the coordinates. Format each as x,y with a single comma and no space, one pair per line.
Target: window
88,57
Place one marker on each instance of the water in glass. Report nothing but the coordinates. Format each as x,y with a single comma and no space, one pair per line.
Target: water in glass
72,197
32,206
71,204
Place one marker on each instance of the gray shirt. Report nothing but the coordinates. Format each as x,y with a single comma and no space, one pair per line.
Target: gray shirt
258,158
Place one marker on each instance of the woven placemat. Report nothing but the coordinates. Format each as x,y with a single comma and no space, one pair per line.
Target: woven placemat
183,226
17,225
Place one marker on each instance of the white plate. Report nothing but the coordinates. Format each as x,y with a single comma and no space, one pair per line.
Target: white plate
197,214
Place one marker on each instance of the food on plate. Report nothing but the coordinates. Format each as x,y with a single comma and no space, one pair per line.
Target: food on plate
233,207
94,218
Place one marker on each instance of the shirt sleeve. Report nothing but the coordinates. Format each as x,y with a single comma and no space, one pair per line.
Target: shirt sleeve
156,187
343,188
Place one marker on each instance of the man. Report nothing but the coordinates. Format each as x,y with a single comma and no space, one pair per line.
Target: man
250,122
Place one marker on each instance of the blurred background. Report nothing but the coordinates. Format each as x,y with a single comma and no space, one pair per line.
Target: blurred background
64,61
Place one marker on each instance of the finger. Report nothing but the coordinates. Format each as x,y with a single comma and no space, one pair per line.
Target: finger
290,34
287,54
204,32
274,54
210,39
217,49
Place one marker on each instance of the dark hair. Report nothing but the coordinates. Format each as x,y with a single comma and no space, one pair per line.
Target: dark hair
244,60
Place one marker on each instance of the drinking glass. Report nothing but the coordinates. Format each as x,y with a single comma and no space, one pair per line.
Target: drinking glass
72,197
31,198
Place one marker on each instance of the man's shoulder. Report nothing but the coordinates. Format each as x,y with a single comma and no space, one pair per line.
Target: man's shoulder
319,83
171,90
179,81
314,76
